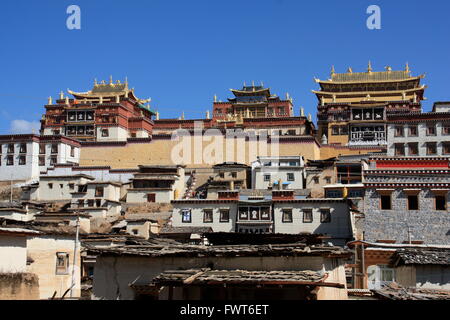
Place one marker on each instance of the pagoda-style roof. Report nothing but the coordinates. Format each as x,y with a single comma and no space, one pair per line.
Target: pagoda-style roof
108,90
252,94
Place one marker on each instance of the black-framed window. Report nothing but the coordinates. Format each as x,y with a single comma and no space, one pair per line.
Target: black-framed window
267,177
307,215
265,213
287,215
413,131
50,185
254,213
325,215
72,151
224,215
54,148
42,148
413,148
431,148
11,148
290,176
186,216
413,202
53,161
22,160
385,202
399,131
105,133
23,148
431,130
10,160
440,203
243,213
208,216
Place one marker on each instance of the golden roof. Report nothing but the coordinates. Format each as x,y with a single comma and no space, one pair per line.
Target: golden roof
110,89
369,76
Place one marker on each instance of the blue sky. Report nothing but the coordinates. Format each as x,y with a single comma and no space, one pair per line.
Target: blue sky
181,53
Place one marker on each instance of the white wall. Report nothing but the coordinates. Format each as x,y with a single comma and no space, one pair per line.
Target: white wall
197,216
13,253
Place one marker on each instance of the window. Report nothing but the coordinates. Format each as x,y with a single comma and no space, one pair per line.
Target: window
50,185
334,193
413,131
99,191
243,213
335,130
11,148
385,202
325,215
446,129
307,215
399,149
431,130
62,263
287,215
316,180
53,161
90,203
105,133
82,188
413,202
431,148
1,149
290,177
186,216
71,186
291,132
207,216
41,161
265,213
327,180
234,175
42,148
398,131
72,151
98,202
224,215
9,160
221,174
413,149
81,203
267,177
445,147
441,203
151,197
54,148
356,193
23,148
22,160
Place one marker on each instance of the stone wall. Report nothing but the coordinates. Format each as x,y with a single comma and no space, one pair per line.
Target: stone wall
426,224
19,286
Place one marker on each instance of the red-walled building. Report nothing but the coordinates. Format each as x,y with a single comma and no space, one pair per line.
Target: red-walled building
253,108
108,112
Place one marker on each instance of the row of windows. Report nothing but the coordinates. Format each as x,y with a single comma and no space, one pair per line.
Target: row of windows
325,215
289,176
42,148
11,148
339,130
99,191
399,130
440,202
413,148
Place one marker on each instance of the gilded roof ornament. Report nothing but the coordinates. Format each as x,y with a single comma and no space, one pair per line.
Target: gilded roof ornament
50,100
110,80
388,68
95,82
350,70
369,67
61,95
215,96
407,68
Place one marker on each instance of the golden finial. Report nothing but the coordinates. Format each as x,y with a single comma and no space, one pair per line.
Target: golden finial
95,82
207,114
215,97
332,70
50,100
407,68
118,81
61,95
350,70
182,116
110,80
287,95
157,115
369,67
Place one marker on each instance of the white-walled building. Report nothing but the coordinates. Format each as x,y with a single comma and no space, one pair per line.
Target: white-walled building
269,172
160,184
24,156
280,212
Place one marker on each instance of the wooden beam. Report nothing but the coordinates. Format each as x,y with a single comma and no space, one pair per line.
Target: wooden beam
195,276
